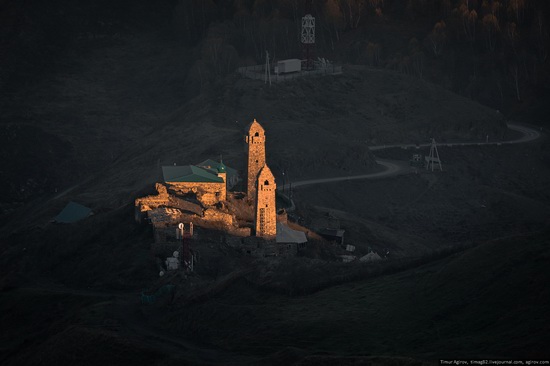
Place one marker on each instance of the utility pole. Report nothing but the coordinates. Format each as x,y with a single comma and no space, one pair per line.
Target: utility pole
267,69
433,158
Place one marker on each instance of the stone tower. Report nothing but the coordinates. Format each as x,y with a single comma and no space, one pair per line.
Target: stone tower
265,219
256,157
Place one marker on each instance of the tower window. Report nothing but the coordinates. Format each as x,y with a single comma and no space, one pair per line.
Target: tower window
266,205
266,183
256,134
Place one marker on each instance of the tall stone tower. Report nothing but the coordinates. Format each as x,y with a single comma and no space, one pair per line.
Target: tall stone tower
265,219
256,156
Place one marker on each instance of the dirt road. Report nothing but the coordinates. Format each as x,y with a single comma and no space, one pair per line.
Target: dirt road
393,168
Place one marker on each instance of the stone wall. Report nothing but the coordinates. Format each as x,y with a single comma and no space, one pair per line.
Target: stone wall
163,199
207,193
219,216
147,203
260,247
239,231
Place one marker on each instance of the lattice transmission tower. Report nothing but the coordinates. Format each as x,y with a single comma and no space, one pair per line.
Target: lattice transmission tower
308,36
433,158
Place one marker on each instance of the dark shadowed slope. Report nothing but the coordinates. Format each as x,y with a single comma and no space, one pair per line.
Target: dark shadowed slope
490,301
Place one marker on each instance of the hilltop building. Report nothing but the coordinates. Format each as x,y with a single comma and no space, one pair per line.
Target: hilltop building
200,194
208,184
261,185
265,218
255,139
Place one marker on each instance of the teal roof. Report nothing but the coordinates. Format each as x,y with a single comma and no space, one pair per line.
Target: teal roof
215,166
189,173
73,212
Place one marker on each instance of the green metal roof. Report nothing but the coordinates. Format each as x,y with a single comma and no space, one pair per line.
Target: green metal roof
73,212
189,173
216,166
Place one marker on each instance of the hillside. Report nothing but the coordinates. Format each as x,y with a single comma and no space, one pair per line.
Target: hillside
97,96
118,127
487,302
113,120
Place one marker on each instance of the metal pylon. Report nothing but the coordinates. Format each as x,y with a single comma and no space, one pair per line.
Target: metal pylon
433,158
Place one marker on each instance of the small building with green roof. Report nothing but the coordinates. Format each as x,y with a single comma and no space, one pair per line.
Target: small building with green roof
72,213
189,174
215,166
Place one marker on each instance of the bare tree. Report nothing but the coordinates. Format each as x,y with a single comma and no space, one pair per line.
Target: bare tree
373,54
514,72
490,31
511,37
352,10
540,37
516,9
437,37
333,20
469,20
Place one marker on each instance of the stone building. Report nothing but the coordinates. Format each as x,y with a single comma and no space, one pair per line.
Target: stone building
199,194
144,205
255,139
266,212
209,186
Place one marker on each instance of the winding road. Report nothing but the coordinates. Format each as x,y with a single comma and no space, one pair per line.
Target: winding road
393,168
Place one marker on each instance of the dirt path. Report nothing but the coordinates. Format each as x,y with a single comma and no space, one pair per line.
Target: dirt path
393,168
529,134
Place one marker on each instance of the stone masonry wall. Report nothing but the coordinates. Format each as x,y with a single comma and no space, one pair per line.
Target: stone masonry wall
207,193
144,204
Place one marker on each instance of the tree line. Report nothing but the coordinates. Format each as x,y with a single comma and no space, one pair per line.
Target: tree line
489,50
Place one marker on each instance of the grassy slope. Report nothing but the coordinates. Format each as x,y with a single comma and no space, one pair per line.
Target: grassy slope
489,301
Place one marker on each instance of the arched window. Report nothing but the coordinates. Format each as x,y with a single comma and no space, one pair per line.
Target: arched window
266,183
257,134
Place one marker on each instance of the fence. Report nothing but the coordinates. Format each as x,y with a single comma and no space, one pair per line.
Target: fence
257,72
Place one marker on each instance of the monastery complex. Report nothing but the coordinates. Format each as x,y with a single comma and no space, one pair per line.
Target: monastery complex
201,196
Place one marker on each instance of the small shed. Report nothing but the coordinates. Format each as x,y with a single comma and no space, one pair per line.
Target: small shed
336,235
287,66
289,240
288,235
73,212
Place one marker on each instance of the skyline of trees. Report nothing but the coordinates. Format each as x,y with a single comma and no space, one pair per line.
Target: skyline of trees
484,49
